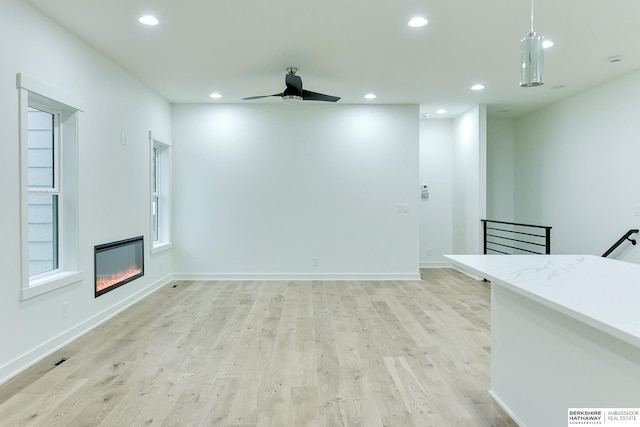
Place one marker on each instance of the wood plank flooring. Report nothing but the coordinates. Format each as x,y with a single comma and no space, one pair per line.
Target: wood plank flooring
275,354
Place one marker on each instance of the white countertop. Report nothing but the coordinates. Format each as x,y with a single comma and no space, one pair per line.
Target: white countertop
601,292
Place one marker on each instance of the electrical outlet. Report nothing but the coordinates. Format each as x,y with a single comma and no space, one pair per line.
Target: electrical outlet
65,310
315,261
429,251
636,210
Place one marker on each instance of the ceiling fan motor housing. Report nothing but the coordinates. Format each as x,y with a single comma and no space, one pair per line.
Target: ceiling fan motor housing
292,91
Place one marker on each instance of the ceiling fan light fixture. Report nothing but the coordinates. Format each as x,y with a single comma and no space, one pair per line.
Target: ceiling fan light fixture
291,99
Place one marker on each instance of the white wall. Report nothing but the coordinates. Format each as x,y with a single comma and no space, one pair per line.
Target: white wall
500,169
260,190
436,163
576,166
113,179
469,180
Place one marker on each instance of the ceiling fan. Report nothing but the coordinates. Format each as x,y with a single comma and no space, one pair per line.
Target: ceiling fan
294,91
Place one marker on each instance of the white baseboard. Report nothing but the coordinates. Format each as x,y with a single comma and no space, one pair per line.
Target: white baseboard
297,276
435,264
32,357
506,409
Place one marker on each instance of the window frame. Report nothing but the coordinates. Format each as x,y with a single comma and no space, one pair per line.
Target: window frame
160,190
41,96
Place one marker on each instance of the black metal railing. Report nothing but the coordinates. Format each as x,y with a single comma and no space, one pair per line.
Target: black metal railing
512,238
626,236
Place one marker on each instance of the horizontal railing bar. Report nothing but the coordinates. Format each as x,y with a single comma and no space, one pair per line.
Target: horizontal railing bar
495,250
513,247
516,240
515,223
516,232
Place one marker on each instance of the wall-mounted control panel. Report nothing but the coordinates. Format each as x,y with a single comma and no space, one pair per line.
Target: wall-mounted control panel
424,191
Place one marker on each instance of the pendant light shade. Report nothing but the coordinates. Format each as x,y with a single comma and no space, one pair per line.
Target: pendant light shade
532,60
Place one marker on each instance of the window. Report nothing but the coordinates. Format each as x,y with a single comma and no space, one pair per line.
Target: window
155,193
160,194
49,219
43,189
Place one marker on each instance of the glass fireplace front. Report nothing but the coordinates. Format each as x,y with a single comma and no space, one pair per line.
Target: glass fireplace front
118,263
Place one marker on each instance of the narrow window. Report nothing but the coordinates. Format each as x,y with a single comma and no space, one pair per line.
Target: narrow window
155,195
49,220
160,194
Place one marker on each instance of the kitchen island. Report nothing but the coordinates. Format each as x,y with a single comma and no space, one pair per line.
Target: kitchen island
565,333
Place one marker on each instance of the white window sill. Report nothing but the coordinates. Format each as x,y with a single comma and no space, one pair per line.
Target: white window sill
50,283
161,247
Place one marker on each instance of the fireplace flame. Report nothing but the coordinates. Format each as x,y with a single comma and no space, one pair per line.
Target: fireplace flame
104,282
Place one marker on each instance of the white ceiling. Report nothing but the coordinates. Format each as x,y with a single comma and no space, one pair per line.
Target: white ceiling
348,48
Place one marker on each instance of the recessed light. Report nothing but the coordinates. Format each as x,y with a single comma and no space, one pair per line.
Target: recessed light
370,96
441,111
477,87
148,20
215,95
547,44
417,21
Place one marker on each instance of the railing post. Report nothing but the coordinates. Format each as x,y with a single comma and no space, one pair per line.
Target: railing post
548,241
484,227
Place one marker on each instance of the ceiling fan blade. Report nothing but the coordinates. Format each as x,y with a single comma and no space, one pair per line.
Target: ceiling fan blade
260,96
294,83
307,95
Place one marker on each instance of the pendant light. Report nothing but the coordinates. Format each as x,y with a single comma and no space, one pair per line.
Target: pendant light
532,58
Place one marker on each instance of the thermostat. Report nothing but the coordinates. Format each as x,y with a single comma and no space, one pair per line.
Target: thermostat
424,191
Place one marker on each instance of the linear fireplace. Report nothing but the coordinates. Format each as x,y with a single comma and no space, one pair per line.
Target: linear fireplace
118,263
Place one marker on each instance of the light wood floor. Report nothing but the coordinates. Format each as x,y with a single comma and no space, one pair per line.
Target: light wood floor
275,354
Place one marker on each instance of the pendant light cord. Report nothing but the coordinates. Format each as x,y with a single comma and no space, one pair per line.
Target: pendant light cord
532,16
